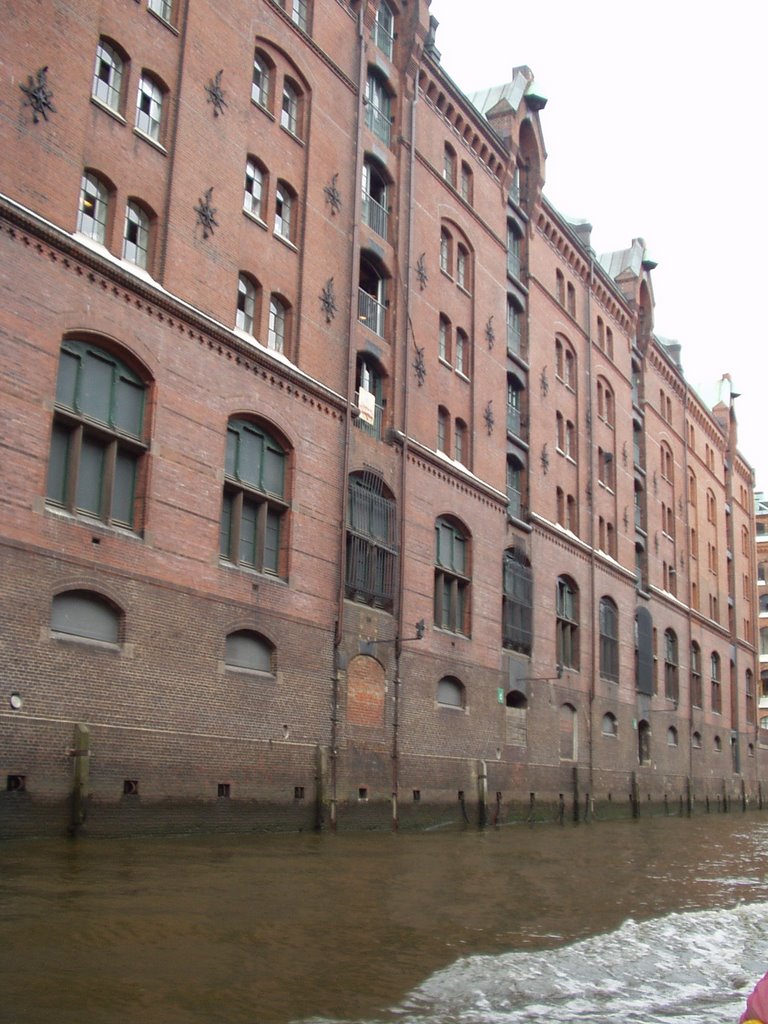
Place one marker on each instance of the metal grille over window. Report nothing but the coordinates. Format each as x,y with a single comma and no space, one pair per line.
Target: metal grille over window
517,605
371,541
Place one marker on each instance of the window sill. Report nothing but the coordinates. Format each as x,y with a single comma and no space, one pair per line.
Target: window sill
158,17
462,376
152,142
285,241
292,135
88,641
252,673
262,108
444,362
96,525
255,219
258,575
114,114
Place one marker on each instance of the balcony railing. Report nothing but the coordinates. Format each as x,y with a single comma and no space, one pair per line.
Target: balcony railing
371,312
383,39
514,340
374,429
375,215
514,502
513,263
379,122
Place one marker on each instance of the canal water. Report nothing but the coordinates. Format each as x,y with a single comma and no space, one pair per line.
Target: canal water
653,921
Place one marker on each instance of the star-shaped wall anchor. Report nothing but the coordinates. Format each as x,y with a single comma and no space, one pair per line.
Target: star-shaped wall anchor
490,334
328,300
488,417
421,272
216,93
38,95
332,194
206,214
419,367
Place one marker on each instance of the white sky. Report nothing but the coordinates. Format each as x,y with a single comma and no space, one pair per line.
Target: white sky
655,128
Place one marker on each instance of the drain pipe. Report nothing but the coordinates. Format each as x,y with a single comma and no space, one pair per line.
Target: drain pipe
593,612
406,334
351,362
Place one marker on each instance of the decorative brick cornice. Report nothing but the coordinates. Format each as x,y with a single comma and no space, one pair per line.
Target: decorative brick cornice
108,274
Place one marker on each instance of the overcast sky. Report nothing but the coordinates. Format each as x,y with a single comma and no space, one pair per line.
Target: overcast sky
656,128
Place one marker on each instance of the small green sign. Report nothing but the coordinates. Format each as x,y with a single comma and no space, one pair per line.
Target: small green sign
500,694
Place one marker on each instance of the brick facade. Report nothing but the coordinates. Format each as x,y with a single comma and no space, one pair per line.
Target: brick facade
477,465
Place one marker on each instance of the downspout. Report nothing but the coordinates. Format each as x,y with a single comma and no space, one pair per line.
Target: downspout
166,220
404,369
689,617
351,364
591,482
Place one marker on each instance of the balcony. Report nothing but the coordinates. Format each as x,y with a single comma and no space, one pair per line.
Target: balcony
379,122
375,216
371,312
513,264
514,503
515,341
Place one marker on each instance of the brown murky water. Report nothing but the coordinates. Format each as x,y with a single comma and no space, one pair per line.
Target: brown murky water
281,928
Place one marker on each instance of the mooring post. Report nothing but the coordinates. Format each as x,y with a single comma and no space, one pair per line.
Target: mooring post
81,751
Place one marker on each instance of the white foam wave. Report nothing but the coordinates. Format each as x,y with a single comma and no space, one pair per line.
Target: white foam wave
696,967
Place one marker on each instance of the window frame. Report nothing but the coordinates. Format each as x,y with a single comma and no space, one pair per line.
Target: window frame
150,107
141,229
264,527
112,87
567,622
94,190
452,581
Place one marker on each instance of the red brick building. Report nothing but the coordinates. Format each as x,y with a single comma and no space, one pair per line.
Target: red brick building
343,481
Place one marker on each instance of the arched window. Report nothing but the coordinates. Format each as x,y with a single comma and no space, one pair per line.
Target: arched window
247,295
449,164
515,479
384,29
285,220
290,108
444,339
567,610
452,581
667,463
463,268
515,393
514,243
465,183
517,719
254,505
643,742
93,209
605,402
246,649
697,694
97,443
568,738
378,110
261,90
375,198
149,107
162,8
81,613
517,602
716,683
254,193
671,676
108,76
610,725
297,9
696,740
446,251
277,334
514,326
136,234
460,442
450,693
371,541
672,737
372,295
461,354
369,381
609,640
443,429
